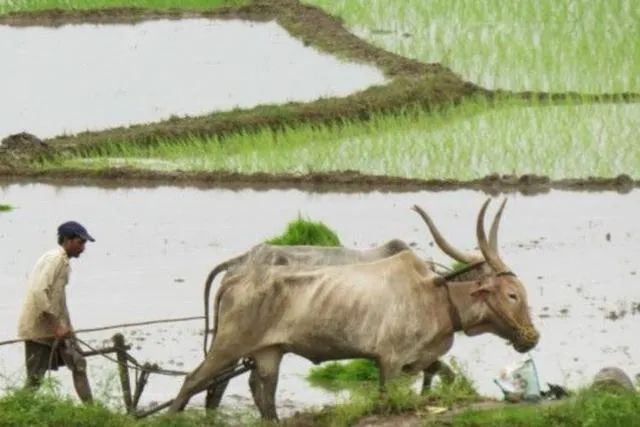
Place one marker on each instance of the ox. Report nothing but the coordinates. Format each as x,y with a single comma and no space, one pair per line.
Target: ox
396,311
265,254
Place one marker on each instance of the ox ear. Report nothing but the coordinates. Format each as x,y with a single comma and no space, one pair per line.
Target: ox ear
485,289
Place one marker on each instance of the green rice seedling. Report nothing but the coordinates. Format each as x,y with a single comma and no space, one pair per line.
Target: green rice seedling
37,5
464,143
306,232
584,45
344,375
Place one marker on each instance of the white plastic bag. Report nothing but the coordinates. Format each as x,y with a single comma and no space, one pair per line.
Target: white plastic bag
520,381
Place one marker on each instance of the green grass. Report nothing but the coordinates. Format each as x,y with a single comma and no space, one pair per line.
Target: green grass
549,45
358,373
37,5
5,207
343,375
589,408
461,391
306,232
48,407
465,142
364,400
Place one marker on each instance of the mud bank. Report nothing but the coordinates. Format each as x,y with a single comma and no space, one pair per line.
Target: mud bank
347,181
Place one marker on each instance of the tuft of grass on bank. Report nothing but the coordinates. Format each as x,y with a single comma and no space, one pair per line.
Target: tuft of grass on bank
47,407
590,407
306,232
461,391
583,45
466,142
364,401
39,5
357,373
5,207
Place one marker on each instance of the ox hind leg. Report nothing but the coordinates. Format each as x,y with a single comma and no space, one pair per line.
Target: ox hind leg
198,380
440,369
216,391
263,381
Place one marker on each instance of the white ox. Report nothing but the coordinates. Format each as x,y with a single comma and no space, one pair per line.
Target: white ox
266,254
395,311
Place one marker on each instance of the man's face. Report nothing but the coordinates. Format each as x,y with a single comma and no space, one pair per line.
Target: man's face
74,246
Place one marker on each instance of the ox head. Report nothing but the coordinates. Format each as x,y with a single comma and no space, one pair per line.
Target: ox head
499,295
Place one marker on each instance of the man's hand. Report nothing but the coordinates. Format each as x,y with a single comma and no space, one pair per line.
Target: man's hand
62,332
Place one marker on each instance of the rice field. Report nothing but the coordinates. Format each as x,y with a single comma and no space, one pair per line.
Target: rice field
546,45
7,6
465,142
583,46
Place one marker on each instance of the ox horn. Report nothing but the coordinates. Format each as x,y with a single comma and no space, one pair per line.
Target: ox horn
441,242
489,255
493,234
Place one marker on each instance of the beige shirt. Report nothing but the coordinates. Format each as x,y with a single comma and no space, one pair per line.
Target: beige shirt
46,294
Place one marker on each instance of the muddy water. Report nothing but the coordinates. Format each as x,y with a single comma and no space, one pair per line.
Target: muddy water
575,252
79,77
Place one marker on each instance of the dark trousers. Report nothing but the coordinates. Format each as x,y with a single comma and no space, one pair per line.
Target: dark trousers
41,357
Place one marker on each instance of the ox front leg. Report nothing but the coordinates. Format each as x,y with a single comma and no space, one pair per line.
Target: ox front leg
263,381
388,370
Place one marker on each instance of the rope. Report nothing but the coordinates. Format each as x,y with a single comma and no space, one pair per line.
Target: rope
104,328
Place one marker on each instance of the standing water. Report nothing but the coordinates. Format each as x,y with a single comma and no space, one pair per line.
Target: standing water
576,254
91,77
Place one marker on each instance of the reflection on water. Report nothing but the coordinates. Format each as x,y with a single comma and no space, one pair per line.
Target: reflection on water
79,77
576,253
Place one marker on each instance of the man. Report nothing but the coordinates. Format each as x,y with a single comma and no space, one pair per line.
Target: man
45,324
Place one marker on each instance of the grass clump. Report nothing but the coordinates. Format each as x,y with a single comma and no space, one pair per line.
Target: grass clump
364,400
591,407
47,408
5,207
341,375
461,391
357,373
306,232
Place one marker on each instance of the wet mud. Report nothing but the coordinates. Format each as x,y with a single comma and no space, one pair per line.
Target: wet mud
342,181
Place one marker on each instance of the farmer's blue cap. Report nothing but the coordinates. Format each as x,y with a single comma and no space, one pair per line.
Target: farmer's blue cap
74,229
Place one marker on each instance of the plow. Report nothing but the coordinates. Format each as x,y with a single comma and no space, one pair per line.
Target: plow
134,376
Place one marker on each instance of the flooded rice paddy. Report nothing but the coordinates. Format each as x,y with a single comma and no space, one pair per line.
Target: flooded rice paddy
575,252
91,77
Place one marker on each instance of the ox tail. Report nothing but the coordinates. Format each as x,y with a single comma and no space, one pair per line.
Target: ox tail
224,266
